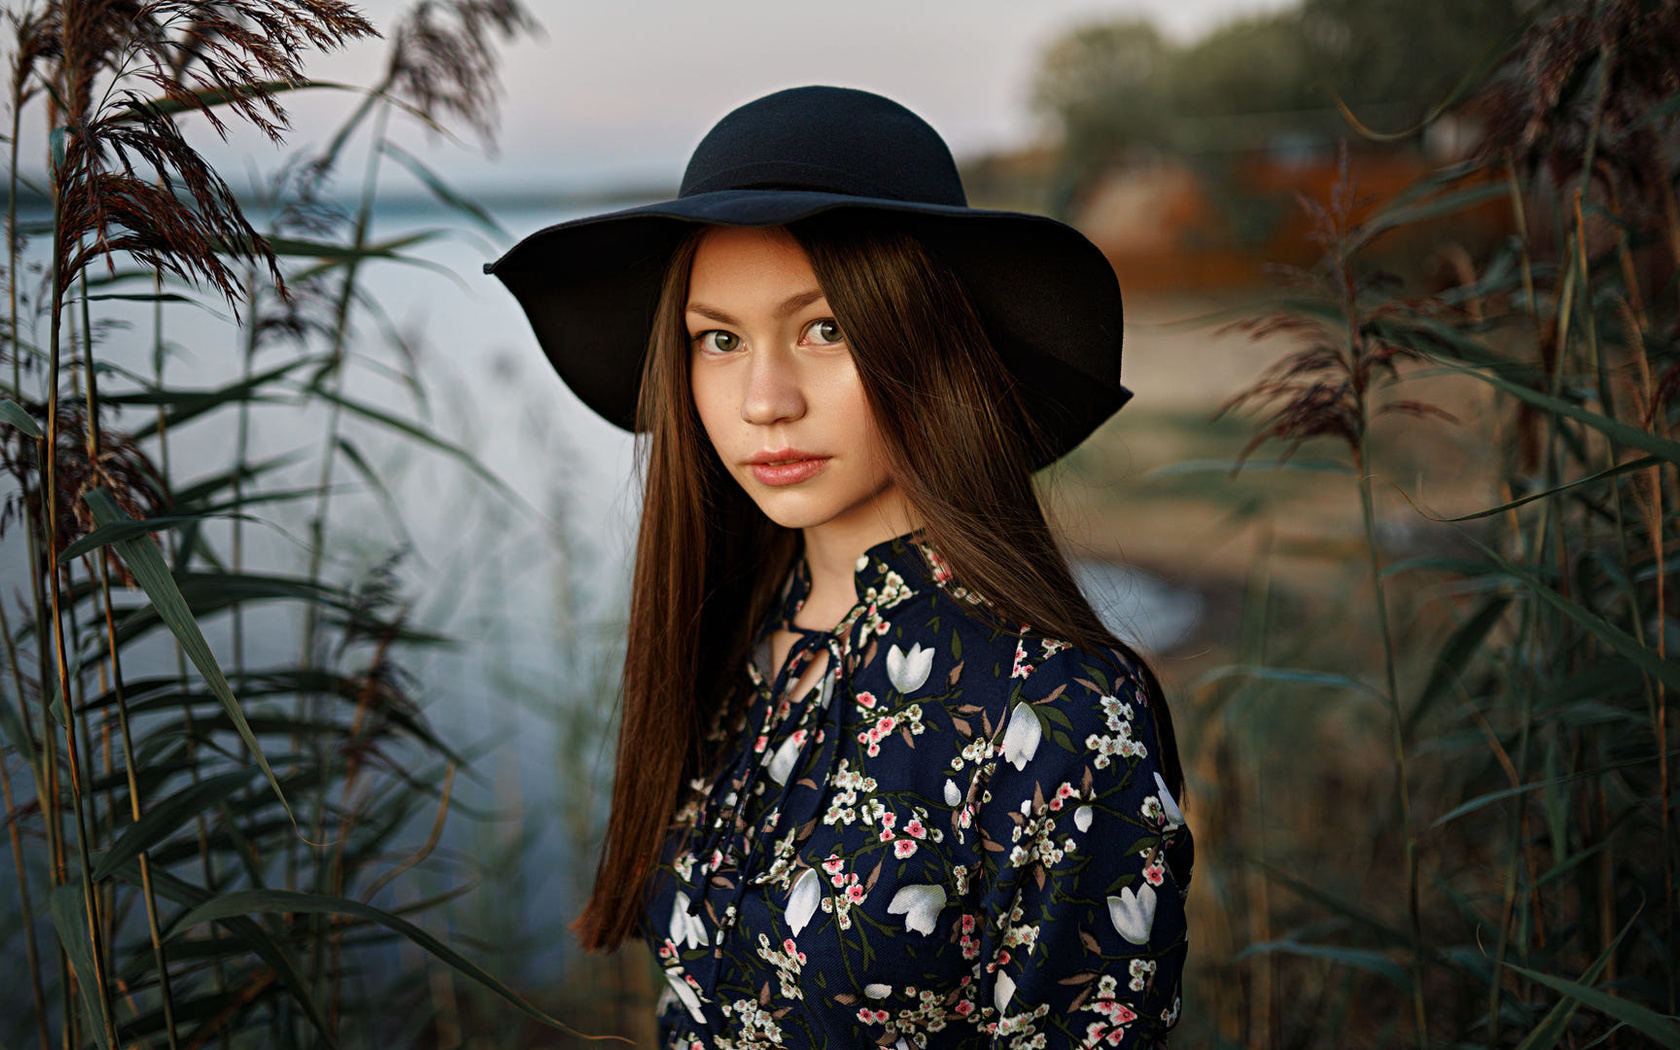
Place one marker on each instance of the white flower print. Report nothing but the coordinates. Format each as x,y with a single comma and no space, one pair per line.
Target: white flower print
920,905
1037,838
786,754
1021,739
1174,814
1115,712
686,993
1120,744
953,796
1082,818
757,1026
788,963
1152,810
1003,992
877,991
1133,914
909,671
803,901
891,593
687,930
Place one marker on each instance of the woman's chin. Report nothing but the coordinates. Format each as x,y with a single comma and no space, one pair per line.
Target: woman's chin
793,513
878,517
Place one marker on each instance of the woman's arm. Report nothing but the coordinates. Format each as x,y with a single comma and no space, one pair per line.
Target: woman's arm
1085,862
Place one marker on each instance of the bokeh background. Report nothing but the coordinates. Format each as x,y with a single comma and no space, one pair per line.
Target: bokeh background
1389,510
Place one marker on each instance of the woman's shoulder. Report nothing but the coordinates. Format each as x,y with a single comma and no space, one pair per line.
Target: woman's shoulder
919,630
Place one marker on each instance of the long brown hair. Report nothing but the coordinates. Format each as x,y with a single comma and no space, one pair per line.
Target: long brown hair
708,561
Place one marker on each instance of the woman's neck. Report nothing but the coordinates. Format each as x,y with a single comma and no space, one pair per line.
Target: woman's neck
831,553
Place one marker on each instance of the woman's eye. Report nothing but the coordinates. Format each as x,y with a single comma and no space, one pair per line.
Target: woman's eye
826,330
718,341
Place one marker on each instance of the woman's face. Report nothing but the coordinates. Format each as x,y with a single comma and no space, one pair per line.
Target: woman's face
777,391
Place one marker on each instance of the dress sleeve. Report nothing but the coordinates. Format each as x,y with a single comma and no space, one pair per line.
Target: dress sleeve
1085,862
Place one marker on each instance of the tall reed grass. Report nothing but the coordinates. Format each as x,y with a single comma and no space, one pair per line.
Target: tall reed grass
204,846
1475,846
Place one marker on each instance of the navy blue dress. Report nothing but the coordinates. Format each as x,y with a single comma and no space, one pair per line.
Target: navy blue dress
956,837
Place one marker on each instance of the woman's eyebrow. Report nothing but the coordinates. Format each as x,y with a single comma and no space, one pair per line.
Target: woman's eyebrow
787,307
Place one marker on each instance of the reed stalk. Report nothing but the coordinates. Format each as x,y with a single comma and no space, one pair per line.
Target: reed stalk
32,953
115,690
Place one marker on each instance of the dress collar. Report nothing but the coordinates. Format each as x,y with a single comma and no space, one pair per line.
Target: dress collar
907,557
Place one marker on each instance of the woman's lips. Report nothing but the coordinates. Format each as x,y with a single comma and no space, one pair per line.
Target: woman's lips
786,468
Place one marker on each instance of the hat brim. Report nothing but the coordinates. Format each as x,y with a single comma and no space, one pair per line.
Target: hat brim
1048,297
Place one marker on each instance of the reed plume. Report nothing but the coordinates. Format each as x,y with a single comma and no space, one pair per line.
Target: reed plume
443,59
1325,388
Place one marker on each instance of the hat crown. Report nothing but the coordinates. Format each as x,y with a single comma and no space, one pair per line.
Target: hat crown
826,139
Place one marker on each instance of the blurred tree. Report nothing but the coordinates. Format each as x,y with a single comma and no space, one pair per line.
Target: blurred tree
1115,87
1252,68
1405,54
1106,85
1253,64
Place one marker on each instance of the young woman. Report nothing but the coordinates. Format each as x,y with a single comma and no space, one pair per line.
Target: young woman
883,776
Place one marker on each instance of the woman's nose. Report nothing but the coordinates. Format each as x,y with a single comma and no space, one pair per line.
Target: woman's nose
773,393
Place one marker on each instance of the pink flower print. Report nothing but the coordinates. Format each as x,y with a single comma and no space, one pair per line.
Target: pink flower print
965,1007
866,699
889,819
914,828
904,848
1155,872
760,744
868,1016
941,570
854,891
1022,668
833,865
886,835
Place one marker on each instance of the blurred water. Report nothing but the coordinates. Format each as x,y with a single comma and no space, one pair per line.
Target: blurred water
531,580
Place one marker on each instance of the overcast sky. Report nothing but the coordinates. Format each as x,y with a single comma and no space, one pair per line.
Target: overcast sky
621,90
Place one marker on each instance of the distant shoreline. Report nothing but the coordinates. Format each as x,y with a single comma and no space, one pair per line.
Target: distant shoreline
497,199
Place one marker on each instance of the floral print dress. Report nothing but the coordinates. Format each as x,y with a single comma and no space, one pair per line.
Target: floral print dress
956,837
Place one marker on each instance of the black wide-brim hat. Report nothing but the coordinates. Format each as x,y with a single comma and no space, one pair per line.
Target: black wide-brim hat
1047,296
